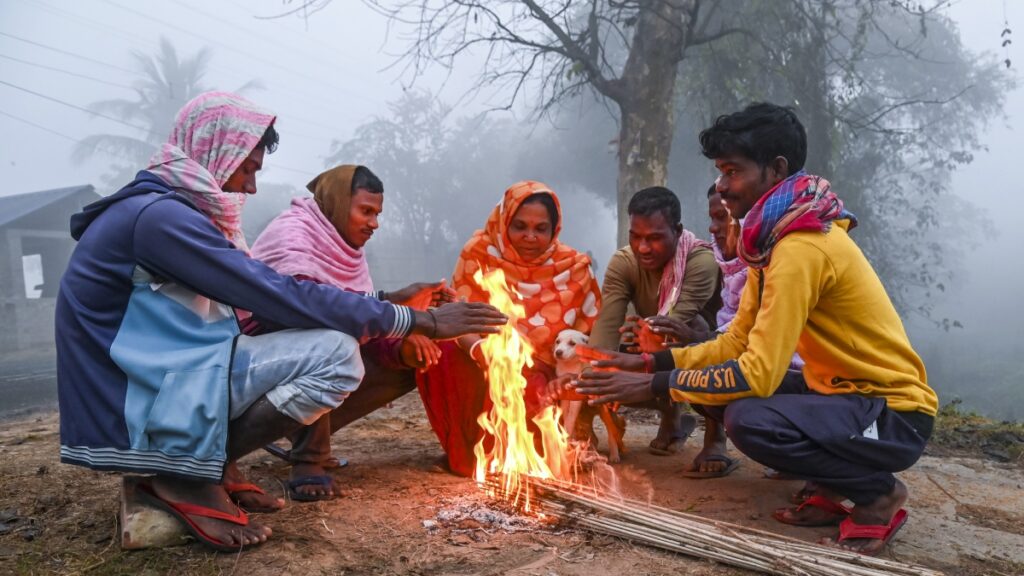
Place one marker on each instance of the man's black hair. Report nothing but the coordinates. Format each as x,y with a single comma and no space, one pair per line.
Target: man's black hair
269,140
712,190
656,199
364,179
760,132
545,200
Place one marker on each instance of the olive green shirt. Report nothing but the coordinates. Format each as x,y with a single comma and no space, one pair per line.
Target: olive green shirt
625,283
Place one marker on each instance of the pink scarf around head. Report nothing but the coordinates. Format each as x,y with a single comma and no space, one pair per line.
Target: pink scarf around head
212,136
303,242
675,271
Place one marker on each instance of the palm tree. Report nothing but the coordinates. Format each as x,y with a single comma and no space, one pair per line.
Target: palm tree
165,83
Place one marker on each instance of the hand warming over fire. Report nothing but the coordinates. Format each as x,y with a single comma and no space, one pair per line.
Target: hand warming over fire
561,388
458,318
648,339
419,352
606,360
423,295
624,387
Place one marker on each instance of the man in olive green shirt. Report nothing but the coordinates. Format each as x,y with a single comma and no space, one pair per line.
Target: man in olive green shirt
684,314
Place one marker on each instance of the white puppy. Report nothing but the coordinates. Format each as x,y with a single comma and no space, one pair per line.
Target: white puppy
568,364
566,361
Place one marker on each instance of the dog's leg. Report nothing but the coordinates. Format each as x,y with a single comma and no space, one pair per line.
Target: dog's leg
616,445
570,414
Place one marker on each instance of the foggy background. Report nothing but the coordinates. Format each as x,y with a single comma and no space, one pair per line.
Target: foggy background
329,78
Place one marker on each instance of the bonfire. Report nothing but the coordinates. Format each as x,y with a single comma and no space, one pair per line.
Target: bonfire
513,458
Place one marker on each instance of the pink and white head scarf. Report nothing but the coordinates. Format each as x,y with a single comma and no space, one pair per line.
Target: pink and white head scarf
212,136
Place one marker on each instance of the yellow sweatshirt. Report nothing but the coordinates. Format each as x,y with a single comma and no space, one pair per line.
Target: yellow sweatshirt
822,299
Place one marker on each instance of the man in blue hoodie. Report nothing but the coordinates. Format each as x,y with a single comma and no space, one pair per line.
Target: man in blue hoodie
152,373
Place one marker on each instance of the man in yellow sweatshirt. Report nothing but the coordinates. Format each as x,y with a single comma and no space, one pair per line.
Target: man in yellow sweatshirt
867,410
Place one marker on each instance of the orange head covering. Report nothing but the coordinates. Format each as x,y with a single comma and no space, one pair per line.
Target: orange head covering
559,290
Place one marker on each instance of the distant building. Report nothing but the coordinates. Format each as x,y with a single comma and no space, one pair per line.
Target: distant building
35,246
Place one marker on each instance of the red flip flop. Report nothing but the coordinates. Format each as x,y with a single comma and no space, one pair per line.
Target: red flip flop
838,511
849,530
235,488
183,511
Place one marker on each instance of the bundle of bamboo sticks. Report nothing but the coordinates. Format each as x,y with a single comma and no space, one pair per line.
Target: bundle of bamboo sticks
693,535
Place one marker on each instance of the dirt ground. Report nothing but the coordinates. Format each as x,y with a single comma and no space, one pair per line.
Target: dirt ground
966,514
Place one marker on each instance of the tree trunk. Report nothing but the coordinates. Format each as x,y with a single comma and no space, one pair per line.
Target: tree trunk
815,104
646,105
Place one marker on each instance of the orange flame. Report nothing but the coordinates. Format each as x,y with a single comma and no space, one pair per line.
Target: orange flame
513,457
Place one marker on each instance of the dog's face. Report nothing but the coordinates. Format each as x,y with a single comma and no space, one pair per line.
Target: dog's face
565,345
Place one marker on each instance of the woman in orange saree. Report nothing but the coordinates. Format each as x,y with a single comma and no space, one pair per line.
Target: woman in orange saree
558,290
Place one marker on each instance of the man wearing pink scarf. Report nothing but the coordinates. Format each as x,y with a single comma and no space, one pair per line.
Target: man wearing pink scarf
321,239
670,278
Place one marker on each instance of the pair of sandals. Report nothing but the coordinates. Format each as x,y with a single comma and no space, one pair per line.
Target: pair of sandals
234,490
839,514
323,480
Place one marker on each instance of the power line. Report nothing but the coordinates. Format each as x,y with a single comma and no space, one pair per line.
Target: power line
41,127
65,52
227,46
75,106
322,103
118,120
270,163
69,72
309,55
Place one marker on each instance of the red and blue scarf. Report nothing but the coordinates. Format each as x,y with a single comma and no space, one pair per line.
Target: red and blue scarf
800,202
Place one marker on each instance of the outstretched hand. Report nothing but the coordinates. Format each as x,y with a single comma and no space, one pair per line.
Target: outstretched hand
561,388
459,318
423,295
607,360
648,338
676,331
624,387
418,351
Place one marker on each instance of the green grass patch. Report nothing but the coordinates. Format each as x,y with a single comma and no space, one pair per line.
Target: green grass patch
969,431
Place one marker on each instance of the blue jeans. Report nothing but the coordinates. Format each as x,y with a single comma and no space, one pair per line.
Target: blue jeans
303,373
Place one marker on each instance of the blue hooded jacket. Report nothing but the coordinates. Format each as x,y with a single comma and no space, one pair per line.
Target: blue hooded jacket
145,329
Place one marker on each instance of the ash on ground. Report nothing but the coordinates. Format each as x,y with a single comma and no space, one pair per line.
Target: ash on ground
466,514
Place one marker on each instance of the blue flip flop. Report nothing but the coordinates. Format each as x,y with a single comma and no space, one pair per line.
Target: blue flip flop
285,454
730,465
320,480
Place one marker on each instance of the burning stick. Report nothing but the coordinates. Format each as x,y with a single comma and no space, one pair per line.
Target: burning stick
702,538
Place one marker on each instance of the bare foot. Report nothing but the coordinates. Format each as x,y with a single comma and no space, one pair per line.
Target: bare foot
249,500
714,445
314,491
211,496
674,430
822,507
880,512
809,489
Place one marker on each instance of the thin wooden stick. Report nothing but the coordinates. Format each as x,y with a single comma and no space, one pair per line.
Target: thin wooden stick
694,535
663,516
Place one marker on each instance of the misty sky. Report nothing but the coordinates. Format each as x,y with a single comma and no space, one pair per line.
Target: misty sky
326,76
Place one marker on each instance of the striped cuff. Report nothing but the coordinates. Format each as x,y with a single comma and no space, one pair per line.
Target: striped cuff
405,321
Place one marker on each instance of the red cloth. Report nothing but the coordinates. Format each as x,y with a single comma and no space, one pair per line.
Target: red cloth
455,393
